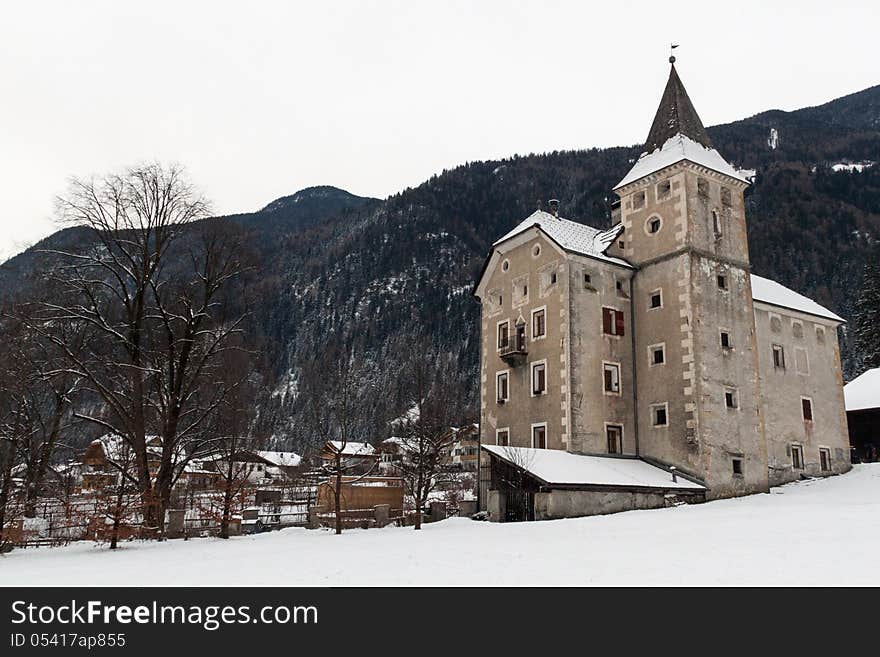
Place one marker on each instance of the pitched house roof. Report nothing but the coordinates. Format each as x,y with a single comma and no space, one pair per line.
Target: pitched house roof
281,459
677,134
775,294
561,468
863,392
351,448
570,235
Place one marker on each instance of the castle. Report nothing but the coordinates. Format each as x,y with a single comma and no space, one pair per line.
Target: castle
644,365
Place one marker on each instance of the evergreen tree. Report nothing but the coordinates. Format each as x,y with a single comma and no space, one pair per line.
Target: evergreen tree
867,313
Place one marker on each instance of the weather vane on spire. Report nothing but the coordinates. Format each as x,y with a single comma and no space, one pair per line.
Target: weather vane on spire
672,46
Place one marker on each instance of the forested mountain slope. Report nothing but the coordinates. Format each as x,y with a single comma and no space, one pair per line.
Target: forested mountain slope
390,271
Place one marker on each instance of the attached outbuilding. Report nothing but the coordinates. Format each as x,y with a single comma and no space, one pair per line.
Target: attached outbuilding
862,396
523,483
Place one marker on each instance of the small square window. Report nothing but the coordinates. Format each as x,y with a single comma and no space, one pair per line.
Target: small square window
553,278
654,225
820,335
722,282
737,467
725,340
657,354
656,299
659,416
664,188
638,200
588,280
621,244
502,437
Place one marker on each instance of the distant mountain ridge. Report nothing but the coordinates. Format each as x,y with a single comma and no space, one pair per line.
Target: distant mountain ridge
389,269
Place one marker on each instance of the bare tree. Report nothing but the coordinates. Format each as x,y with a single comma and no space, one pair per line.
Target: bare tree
425,434
149,293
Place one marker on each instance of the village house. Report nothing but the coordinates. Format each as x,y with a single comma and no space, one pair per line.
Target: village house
464,448
643,364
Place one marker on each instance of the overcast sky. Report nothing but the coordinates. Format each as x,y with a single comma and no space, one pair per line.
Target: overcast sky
261,99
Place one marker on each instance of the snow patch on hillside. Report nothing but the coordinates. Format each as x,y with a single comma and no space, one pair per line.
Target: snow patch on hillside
773,139
851,167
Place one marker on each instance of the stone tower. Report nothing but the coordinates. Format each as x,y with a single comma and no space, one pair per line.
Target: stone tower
697,387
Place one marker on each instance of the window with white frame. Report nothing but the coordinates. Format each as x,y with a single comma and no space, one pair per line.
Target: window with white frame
730,398
539,435
657,354
797,457
726,342
503,334
502,387
539,323
656,299
778,356
611,378
614,436
539,377
825,459
502,437
660,415
807,409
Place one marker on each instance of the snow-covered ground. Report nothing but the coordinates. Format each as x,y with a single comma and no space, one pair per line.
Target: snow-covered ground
818,532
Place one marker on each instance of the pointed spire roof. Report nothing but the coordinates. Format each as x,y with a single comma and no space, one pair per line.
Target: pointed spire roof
678,134
676,115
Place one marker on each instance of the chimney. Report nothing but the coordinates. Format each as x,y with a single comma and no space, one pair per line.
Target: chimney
554,207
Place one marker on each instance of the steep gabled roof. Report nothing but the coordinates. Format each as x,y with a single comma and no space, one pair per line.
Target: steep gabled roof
570,235
676,116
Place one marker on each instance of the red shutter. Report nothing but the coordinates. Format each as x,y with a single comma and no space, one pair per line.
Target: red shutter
618,322
607,315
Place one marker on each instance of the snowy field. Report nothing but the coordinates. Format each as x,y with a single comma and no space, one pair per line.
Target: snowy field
818,532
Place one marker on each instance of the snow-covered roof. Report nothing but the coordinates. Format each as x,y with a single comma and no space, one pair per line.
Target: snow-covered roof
773,293
353,449
863,392
556,466
281,459
677,148
570,235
